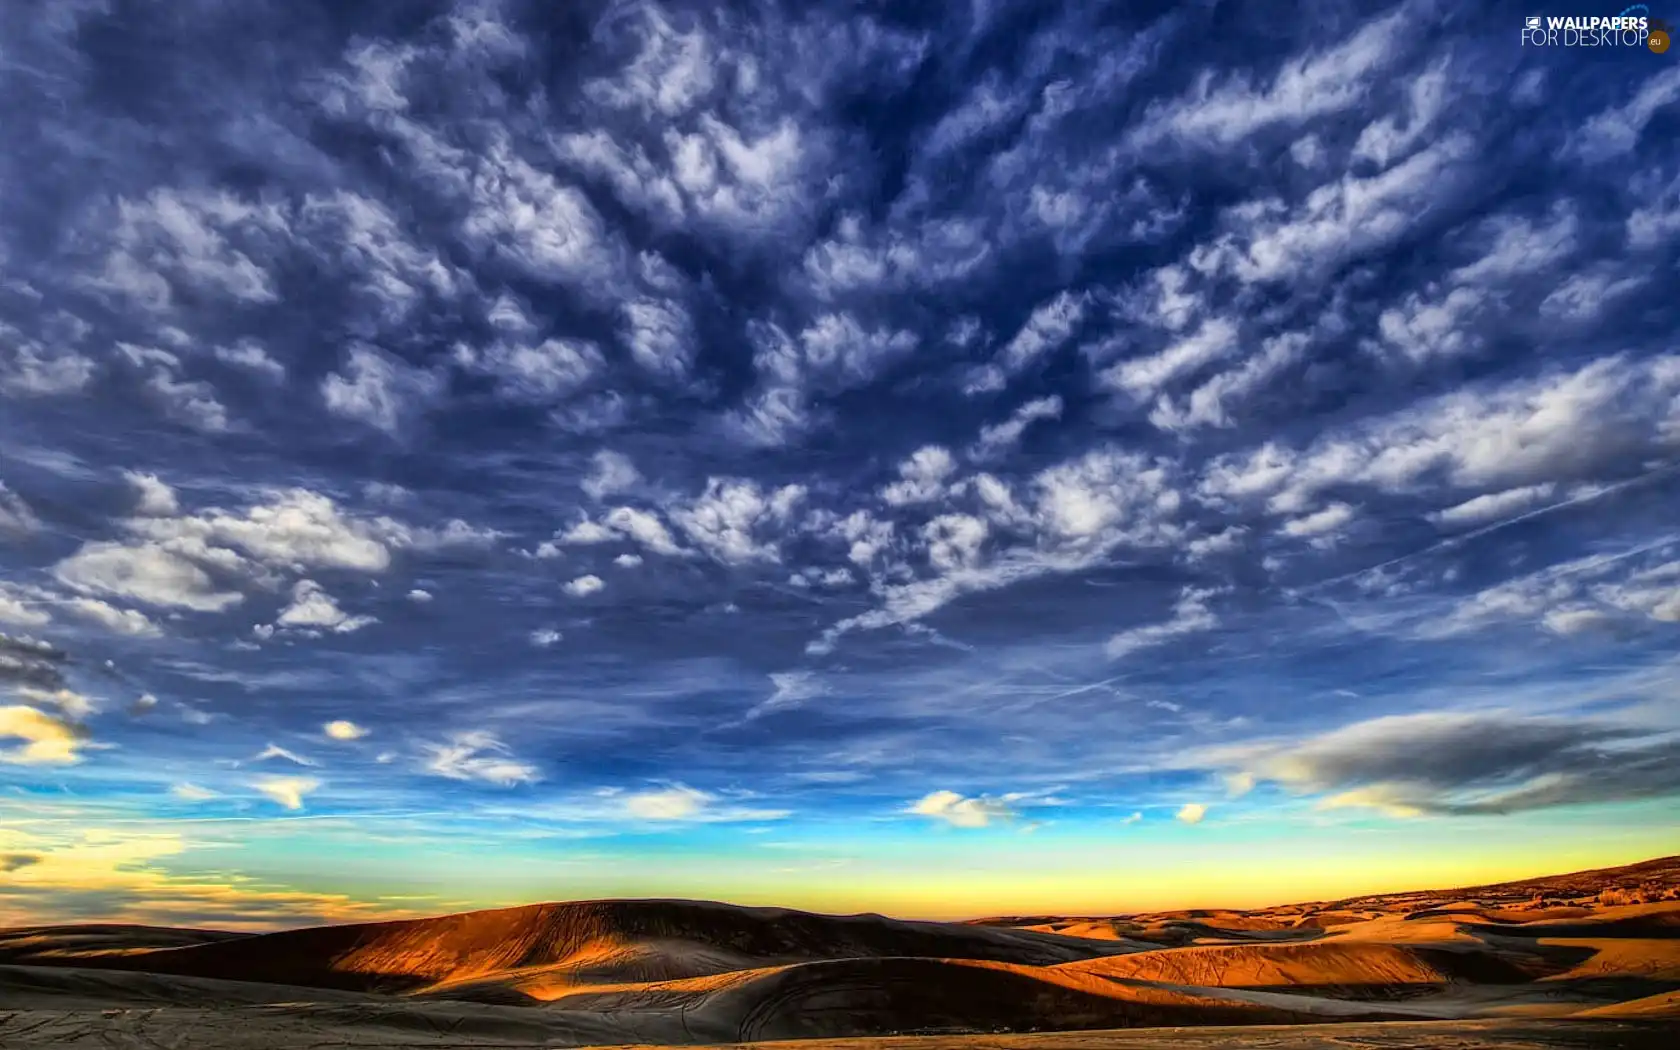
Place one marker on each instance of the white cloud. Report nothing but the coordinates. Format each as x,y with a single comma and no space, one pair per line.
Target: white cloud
772,418
33,371
379,390
790,689
1616,131
312,607
1000,437
1104,497
588,532
1559,425
420,597
921,478
643,527
22,608
1428,97
369,245
190,402
1272,241
1046,328
610,474
1520,245
15,515
194,717
145,572
682,804
292,529
1435,325
839,576
546,228
935,252
1651,225
1212,403
1191,813
153,498
201,239
1320,522
724,520
545,637
541,371
1578,620
833,353
584,586
1226,541
454,533
627,561
1317,84
1494,506
660,335
342,729
72,704
1144,376
194,793
477,755
962,812
288,792
676,803
510,315
955,541
1076,515
251,356
120,621
1596,290
1191,615
276,751
674,69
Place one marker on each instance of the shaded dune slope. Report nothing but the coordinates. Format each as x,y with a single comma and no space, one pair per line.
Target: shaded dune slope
899,995
1329,968
26,944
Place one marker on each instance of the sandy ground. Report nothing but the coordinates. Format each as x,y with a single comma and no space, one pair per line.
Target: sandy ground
305,1028
1591,959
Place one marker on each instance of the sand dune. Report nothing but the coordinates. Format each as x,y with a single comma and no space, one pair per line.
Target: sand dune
1600,949
30,943
1652,1007
592,941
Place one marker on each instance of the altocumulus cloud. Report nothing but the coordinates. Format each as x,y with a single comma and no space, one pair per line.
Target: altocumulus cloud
869,400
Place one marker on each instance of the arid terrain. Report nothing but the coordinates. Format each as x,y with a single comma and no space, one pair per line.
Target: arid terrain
1590,959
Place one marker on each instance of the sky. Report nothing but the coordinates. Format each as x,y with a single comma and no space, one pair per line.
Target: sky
935,459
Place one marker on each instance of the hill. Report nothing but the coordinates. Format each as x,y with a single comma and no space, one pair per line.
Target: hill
1601,947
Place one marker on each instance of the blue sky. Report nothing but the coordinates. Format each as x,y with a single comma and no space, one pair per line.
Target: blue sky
936,458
